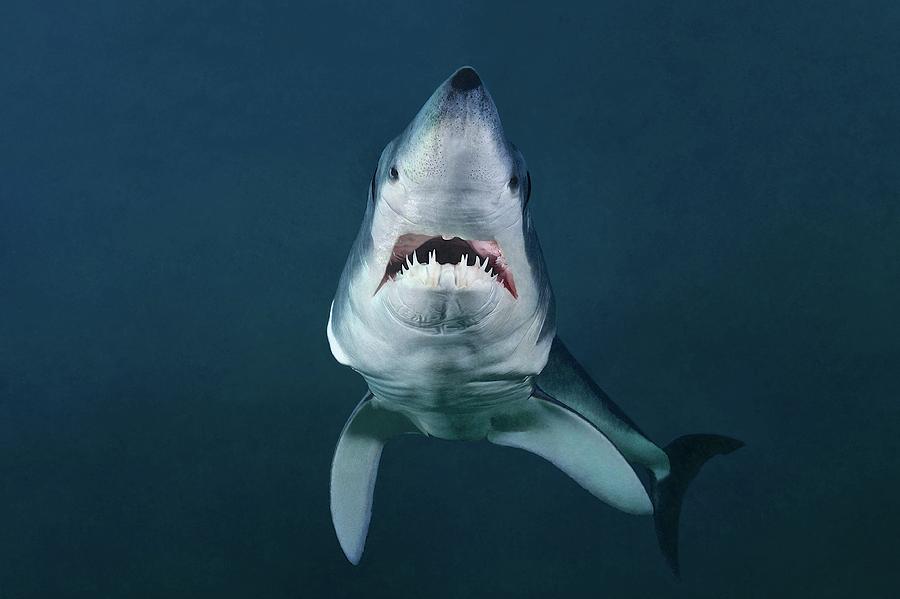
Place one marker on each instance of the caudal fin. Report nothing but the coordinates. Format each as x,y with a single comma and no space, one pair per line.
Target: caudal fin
687,455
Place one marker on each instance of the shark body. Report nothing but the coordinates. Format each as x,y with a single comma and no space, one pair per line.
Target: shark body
446,310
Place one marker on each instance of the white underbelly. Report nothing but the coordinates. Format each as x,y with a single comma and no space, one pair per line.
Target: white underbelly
460,412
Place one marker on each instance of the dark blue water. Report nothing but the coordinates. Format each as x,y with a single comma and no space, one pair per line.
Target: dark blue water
716,186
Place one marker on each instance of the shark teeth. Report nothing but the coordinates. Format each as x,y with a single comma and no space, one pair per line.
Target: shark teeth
421,259
462,275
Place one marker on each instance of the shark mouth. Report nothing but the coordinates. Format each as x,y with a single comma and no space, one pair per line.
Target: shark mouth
441,262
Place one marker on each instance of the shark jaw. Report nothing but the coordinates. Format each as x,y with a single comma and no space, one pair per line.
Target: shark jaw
448,263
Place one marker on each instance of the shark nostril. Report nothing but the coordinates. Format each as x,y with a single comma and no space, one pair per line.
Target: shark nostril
514,183
465,79
394,174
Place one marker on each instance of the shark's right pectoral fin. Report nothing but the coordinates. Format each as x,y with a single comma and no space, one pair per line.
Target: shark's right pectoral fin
576,447
355,468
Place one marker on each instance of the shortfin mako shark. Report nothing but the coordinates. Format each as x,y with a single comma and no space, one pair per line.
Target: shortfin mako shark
445,308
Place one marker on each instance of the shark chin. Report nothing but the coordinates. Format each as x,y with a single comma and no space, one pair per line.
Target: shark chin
443,306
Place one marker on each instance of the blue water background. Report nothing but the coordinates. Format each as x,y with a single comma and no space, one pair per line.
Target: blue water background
716,186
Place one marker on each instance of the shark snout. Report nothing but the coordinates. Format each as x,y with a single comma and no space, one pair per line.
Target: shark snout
457,138
463,95
465,79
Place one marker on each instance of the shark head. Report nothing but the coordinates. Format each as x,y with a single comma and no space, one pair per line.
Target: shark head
449,184
446,245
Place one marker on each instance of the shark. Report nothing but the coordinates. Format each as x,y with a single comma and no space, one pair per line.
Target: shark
445,308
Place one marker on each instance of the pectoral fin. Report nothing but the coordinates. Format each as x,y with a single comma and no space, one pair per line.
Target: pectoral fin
576,447
570,384
355,468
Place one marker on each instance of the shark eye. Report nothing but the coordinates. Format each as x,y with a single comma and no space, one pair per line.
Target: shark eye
375,174
394,174
513,183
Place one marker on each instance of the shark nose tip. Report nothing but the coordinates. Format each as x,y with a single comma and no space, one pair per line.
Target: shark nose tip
465,79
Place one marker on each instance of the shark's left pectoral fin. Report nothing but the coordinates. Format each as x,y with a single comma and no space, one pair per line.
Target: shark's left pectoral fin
576,447
355,468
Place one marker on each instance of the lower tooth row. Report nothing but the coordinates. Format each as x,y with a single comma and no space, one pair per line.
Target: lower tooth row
433,274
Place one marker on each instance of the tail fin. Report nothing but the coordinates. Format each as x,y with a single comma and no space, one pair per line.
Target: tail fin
687,455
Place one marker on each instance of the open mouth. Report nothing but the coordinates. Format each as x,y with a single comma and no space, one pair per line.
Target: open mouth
441,262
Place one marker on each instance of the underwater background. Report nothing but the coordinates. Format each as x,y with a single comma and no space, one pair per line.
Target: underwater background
716,186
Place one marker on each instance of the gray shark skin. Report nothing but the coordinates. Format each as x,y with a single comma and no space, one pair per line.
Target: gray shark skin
446,310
